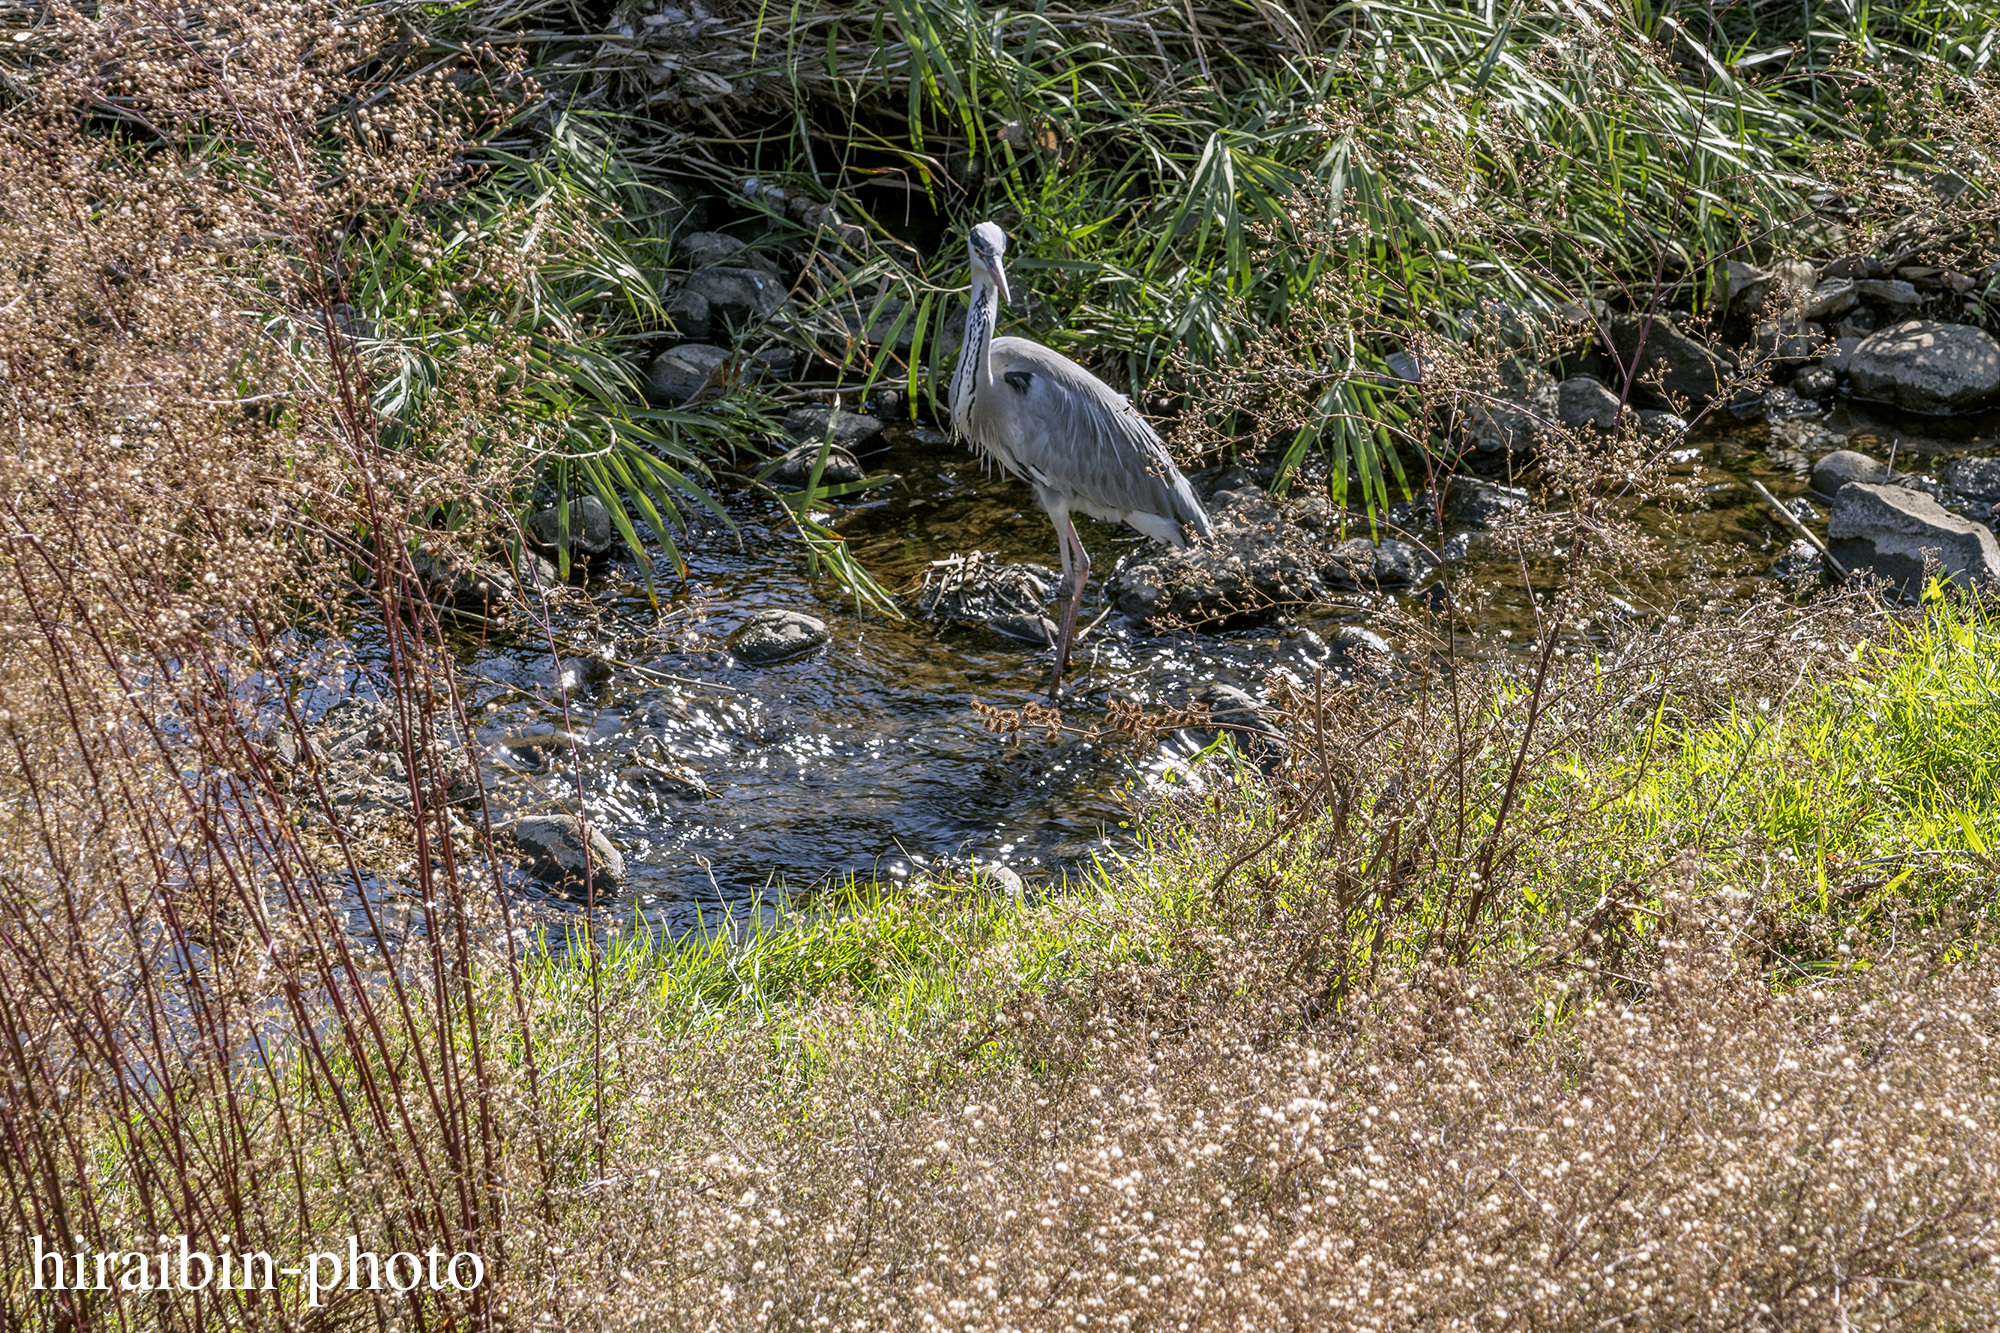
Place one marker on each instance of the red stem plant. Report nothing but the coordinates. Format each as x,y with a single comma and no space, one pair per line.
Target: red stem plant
211,1030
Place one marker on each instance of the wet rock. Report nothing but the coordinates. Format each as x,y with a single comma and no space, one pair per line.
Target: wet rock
590,527
1805,436
1670,363
1843,468
1473,500
1361,563
1036,629
1894,530
1858,324
1815,382
876,332
1799,564
355,754
552,849
774,636
1357,644
454,578
1925,366
979,590
1974,478
1235,713
737,297
795,468
532,750
1519,405
1581,401
1241,570
1784,404
680,374
1405,367
575,675
1246,504
688,312
850,430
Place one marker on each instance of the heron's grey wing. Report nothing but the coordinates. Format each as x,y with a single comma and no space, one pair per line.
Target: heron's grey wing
1074,435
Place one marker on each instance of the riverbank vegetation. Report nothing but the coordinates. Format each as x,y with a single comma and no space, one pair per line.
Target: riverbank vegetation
1639,976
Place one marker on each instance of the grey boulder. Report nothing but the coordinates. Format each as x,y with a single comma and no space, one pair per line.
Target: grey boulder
1889,291
713,249
1509,416
773,636
1474,500
1789,338
590,526
795,468
1361,563
680,374
689,314
1926,366
552,849
737,296
1894,531
850,430
1581,401
1843,468
1835,296
1232,712
1670,363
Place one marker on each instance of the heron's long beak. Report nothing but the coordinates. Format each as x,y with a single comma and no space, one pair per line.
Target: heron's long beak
1000,281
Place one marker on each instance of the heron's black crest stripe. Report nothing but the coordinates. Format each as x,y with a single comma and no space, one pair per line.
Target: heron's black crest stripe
1019,380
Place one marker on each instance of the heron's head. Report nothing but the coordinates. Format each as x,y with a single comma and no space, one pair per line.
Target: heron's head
988,244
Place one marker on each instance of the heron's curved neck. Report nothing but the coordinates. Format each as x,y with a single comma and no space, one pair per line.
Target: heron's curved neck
974,375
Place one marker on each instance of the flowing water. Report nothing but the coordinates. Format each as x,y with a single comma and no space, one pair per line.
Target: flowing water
867,756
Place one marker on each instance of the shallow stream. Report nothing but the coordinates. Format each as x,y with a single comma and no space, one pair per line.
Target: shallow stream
867,757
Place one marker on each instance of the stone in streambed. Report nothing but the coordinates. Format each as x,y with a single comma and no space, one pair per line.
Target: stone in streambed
590,527
1844,467
851,431
795,468
1894,531
737,296
1670,362
774,636
1974,478
552,850
1925,366
1582,401
680,374
689,314
452,578
1507,419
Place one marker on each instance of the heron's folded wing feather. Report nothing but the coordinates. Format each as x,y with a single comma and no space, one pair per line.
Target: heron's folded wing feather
1074,434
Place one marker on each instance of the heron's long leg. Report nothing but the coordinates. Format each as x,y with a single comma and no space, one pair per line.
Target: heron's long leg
1079,561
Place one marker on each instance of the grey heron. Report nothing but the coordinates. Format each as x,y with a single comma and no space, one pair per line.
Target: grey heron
1079,442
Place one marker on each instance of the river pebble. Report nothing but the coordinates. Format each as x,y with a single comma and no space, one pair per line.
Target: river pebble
772,636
